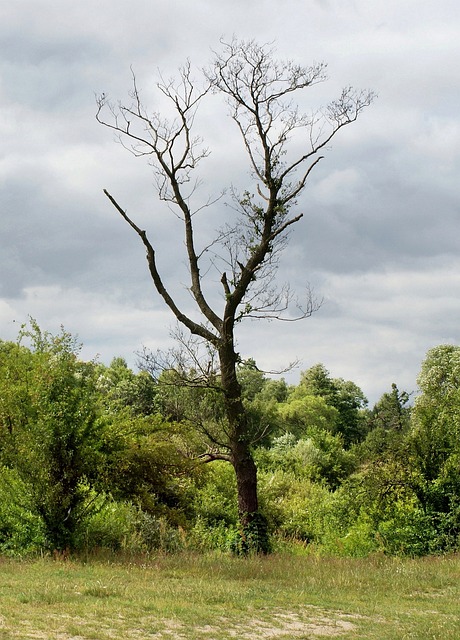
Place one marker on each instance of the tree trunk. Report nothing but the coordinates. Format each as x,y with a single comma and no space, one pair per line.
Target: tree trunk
253,526
253,535
246,480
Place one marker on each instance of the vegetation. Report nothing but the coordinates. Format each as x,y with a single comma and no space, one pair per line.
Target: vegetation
99,457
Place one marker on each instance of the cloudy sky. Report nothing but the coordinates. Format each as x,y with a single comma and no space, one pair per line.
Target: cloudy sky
380,237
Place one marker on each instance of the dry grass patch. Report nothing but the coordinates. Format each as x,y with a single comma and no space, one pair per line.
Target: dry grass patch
187,597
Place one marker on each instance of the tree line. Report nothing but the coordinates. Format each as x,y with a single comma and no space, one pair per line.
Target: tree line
96,456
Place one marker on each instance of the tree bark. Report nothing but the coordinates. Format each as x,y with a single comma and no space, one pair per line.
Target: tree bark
253,526
246,480
239,438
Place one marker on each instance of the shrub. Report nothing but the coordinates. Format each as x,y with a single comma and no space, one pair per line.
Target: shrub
110,526
219,536
296,507
122,526
215,501
22,531
359,541
409,531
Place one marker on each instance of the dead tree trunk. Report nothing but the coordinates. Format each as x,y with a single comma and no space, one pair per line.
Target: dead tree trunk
253,526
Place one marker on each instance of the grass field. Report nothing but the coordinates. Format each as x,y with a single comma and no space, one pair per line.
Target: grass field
219,597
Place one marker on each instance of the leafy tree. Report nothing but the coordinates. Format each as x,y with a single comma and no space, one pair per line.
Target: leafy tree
316,381
436,416
388,424
258,90
351,403
49,428
144,463
435,438
276,390
121,388
251,379
21,528
344,396
300,415
391,412
318,456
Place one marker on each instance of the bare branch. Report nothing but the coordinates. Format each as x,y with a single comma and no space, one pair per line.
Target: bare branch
192,326
174,150
211,456
193,362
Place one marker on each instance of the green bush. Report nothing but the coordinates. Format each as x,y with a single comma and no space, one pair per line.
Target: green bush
49,429
409,531
215,502
156,534
110,526
359,523
22,531
220,536
318,456
122,526
359,541
296,507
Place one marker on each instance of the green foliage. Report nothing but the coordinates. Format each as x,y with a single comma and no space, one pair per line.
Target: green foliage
300,414
217,519
122,526
120,389
212,537
403,529
319,457
142,462
381,443
51,436
316,381
296,507
379,509
199,408
435,441
215,501
214,505
276,390
109,526
22,530
100,457
408,530
436,417
67,431
391,412
251,379
252,536
345,396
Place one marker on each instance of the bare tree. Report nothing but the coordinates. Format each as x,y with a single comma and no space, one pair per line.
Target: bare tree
259,91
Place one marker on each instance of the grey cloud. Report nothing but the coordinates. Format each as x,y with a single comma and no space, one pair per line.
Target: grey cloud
48,75
381,209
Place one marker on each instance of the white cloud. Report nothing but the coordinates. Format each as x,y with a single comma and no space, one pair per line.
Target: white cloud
106,326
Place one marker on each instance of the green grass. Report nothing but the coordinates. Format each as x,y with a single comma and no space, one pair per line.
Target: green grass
279,597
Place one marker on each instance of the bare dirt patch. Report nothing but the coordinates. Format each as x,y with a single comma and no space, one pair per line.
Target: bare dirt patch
308,622
311,622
